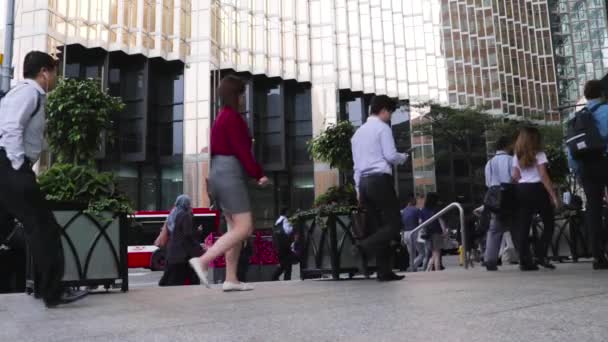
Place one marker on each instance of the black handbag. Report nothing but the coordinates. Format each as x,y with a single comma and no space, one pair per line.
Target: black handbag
500,199
359,224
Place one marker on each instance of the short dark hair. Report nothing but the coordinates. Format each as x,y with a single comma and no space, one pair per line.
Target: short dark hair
411,200
284,211
431,200
594,89
231,87
381,102
35,61
503,143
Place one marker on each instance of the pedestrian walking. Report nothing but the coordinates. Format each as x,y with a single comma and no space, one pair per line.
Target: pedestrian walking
435,233
374,155
22,125
231,162
182,245
410,218
535,195
592,168
498,172
282,239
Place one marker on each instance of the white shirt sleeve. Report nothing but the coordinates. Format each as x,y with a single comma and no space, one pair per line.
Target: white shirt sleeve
287,227
515,162
541,158
488,173
16,110
389,151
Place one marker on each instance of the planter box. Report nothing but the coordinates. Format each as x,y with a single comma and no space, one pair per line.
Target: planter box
95,251
328,250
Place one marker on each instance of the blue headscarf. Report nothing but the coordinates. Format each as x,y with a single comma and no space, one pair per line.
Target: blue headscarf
183,203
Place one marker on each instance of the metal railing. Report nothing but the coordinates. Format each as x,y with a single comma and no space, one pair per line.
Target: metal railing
436,217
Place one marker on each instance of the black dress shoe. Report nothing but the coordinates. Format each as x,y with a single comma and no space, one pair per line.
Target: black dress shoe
546,264
491,268
68,296
528,267
359,253
600,265
390,277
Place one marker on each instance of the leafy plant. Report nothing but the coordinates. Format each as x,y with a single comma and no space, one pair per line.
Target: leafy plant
320,214
343,195
84,185
333,146
78,111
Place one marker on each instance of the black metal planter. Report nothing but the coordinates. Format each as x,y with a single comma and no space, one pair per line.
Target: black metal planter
95,250
328,248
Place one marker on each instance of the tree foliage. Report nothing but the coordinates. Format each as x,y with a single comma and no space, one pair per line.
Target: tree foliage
333,146
78,111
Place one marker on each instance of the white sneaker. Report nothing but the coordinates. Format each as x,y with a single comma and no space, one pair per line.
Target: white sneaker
231,287
195,263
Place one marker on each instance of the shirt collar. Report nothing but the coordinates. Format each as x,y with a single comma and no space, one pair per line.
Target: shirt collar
501,152
375,118
35,85
591,103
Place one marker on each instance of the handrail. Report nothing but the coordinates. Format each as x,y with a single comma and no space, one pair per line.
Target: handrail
432,220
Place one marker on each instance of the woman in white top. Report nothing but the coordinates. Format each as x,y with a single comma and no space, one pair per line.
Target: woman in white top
535,195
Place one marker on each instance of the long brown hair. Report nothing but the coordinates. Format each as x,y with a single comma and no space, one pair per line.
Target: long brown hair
529,143
230,89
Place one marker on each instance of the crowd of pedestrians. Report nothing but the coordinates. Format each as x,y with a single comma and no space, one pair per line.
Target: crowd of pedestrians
517,175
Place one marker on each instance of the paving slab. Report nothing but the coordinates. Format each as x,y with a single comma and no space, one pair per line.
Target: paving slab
570,304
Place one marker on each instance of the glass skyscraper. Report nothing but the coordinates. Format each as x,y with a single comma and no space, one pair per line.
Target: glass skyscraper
308,64
580,37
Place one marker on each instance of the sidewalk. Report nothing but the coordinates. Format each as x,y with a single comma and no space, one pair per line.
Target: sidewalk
570,304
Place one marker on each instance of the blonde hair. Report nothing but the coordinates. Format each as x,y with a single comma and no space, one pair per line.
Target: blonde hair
527,146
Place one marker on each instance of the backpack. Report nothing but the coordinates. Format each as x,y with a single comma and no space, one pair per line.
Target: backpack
583,138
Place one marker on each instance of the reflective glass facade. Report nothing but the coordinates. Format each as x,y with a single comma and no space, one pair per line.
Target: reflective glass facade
580,37
492,53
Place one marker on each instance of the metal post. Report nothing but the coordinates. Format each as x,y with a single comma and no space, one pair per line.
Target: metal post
9,34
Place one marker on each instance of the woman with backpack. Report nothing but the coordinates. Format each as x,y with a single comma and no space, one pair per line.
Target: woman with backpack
535,195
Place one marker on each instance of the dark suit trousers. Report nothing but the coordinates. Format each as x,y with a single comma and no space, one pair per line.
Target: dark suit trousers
21,198
595,182
378,197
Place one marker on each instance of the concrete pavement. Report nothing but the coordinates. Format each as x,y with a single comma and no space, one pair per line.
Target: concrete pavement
570,304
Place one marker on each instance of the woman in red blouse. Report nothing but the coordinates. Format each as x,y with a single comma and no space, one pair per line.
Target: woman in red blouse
232,162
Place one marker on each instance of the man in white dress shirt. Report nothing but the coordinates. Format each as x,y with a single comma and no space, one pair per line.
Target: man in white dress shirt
374,156
22,124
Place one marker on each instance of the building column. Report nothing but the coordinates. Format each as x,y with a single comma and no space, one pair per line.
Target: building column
197,105
324,91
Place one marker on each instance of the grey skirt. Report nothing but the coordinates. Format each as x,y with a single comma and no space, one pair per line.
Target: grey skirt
228,185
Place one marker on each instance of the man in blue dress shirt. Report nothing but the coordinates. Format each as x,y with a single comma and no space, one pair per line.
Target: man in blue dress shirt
374,155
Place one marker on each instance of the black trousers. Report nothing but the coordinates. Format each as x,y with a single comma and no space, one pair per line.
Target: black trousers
178,274
378,197
533,199
285,266
21,198
595,181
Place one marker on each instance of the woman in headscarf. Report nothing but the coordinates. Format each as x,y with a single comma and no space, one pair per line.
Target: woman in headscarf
182,245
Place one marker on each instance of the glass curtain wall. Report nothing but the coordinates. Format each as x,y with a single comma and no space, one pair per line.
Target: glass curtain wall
147,152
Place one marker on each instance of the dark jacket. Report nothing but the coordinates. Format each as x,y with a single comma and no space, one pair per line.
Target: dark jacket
183,243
